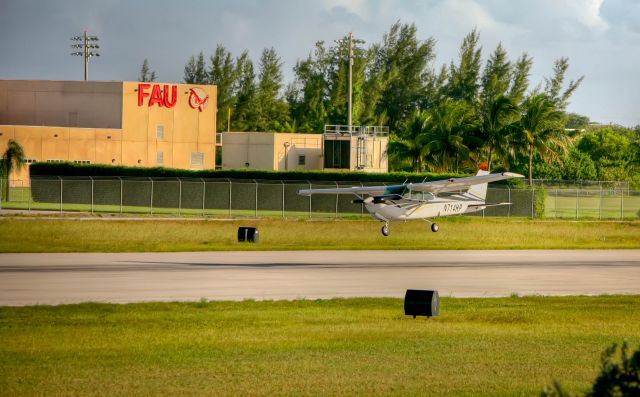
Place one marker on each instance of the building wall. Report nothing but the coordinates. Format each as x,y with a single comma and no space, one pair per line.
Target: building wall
377,160
271,151
248,150
91,104
186,130
96,145
45,135
307,145
373,156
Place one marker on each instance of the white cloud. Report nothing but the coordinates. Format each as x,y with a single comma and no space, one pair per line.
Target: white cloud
360,8
586,12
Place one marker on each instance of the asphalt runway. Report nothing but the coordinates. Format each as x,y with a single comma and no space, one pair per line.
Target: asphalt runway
27,279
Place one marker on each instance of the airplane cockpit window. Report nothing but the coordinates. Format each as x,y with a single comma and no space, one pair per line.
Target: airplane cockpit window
414,195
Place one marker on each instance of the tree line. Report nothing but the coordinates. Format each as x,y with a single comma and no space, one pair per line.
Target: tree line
447,118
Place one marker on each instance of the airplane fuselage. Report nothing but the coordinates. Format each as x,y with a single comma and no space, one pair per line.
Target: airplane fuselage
415,209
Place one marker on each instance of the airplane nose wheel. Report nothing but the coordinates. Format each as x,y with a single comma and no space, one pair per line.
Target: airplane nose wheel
385,230
434,227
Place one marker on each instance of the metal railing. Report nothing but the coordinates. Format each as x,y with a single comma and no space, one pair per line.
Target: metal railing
356,130
233,198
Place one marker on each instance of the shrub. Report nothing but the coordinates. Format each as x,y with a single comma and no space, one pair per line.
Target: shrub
540,201
616,378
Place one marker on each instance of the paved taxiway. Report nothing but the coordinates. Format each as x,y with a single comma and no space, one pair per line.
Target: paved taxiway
132,277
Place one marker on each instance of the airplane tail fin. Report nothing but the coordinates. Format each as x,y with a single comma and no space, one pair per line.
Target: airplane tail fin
480,191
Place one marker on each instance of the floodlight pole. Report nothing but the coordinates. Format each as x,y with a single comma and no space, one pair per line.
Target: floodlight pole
86,58
86,50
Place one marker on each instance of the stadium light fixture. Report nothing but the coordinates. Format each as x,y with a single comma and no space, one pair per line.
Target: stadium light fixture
87,50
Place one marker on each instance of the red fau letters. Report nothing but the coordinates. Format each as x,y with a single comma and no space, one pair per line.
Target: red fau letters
158,96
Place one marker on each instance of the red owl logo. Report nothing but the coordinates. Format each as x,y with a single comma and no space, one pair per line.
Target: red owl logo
198,99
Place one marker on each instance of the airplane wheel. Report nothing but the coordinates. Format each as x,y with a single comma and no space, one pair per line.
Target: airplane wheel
385,230
434,227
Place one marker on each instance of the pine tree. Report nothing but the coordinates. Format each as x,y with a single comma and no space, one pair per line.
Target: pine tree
223,74
272,109
146,75
195,71
553,85
463,78
244,116
403,61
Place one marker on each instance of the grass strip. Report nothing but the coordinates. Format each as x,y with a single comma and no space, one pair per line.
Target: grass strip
498,347
96,235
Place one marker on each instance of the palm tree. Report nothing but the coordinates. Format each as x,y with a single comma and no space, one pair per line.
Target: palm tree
497,118
12,158
411,144
450,122
540,129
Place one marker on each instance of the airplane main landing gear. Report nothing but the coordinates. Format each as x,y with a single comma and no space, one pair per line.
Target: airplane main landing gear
385,229
434,226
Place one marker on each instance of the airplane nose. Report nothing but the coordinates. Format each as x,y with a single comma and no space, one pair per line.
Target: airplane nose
379,217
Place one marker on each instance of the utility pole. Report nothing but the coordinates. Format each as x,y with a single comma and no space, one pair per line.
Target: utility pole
351,57
350,77
87,46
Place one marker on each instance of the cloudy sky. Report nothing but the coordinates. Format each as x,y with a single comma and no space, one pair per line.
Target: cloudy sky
600,37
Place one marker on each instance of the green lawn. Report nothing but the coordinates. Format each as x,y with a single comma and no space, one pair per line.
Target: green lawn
594,207
498,347
96,235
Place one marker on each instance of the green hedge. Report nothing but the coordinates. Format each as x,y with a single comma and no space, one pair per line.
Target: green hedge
71,169
97,170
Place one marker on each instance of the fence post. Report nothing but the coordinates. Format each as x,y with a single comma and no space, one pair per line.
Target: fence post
621,204
362,204
337,198
533,197
121,189
555,205
179,197
229,197
282,182
2,191
151,201
256,211
577,202
91,194
204,194
310,199
600,203
60,194
28,198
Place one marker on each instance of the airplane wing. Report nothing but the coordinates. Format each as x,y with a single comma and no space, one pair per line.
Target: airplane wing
370,190
435,187
458,184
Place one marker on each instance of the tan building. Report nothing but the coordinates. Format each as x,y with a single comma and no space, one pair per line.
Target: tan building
271,151
339,148
356,148
119,123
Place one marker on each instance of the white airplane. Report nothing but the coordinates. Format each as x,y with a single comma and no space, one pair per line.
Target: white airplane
424,200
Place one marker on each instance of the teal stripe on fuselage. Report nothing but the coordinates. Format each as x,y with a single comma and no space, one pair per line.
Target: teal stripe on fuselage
396,189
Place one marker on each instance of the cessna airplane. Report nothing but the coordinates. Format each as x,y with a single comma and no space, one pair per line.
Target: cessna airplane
424,200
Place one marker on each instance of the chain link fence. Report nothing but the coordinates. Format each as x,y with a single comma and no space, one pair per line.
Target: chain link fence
268,198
